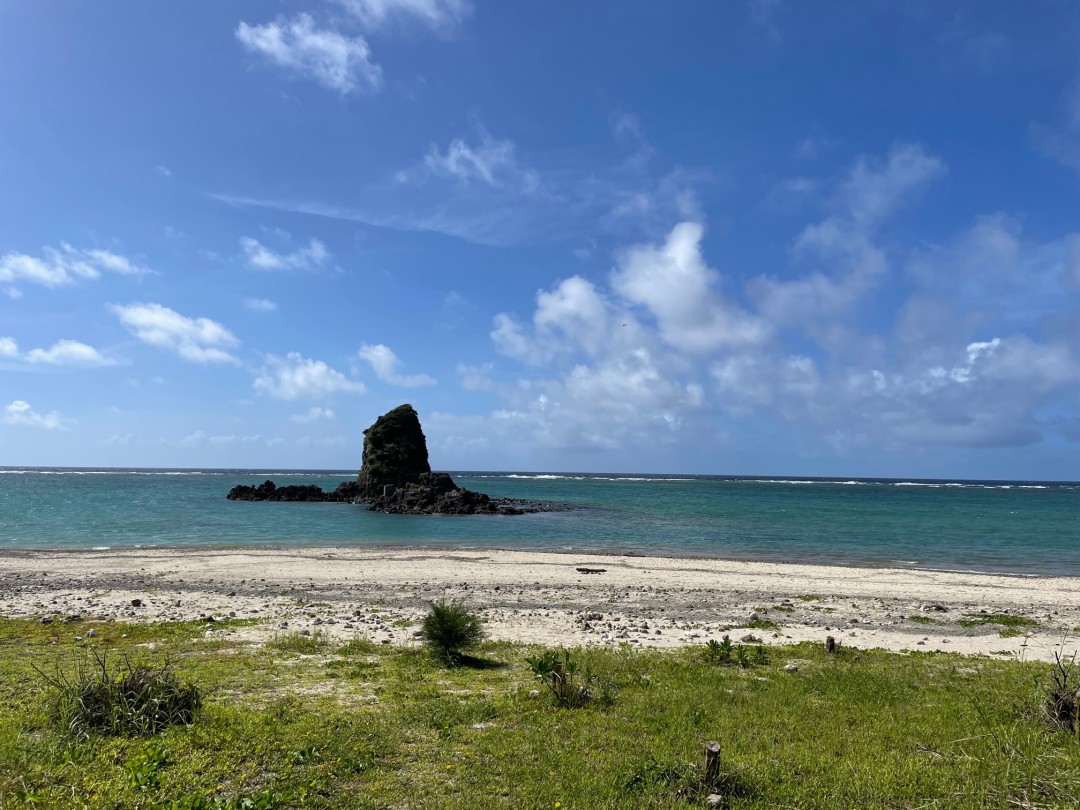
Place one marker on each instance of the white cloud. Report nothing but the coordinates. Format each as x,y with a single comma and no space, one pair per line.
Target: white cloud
60,267
843,244
312,257
163,170
1062,143
440,15
69,353
674,283
313,414
260,304
296,377
8,347
491,161
476,378
386,366
334,60
199,340
20,413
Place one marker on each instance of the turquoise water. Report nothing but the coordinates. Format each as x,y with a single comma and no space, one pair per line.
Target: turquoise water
1019,527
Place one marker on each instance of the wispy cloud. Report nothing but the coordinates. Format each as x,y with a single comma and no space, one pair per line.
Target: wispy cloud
313,414
1062,142
329,57
441,15
312,257
63,266
19,413
260,304
199,340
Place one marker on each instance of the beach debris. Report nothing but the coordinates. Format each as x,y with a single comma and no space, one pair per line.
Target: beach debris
585,570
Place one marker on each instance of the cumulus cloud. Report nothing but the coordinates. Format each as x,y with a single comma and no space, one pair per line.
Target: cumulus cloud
199,340
329,57
312,257
387,367
260,304
8,347
313,414
68,353
675,284
296,377
440,15
63,266
20,413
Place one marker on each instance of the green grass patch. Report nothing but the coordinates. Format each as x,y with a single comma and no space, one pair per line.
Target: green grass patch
278,730
1000,619
762,624
922,620
811,597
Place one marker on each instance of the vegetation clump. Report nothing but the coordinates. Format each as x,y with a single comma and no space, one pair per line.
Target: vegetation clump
1063,705
560,673
725,653
129,700
449,628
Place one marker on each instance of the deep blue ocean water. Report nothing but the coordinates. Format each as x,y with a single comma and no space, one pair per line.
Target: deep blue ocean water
996,526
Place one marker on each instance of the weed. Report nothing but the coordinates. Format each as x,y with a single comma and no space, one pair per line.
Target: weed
762,624
144,770
132,699
725,654
923,620
358,645
811,597
449,628
299,643
1063,705
560,673
1002,619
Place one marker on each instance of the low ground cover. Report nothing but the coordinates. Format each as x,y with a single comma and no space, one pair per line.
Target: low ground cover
324,725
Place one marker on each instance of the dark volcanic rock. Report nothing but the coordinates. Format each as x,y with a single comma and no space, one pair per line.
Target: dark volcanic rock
347,492
395,452
396,478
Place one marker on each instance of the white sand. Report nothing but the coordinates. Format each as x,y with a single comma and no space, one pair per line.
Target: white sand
541,597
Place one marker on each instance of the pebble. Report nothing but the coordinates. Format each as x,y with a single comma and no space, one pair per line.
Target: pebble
792,667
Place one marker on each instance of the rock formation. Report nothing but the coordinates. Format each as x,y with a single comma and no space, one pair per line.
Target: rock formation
396,477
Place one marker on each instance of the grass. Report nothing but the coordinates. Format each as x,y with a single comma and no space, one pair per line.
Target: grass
1006,620
370,726
922,620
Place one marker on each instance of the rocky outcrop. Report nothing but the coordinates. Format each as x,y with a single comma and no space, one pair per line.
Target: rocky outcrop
396,478
346,492
395,453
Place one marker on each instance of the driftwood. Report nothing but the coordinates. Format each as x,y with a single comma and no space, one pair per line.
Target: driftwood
592,570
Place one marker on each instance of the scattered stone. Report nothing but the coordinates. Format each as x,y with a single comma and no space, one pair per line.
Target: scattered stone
791,667
91,633
750,638
714,800
136,602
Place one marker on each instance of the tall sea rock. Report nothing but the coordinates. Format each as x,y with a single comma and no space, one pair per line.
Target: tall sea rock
395,453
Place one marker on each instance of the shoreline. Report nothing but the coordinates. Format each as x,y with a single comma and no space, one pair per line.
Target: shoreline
541,597
449,547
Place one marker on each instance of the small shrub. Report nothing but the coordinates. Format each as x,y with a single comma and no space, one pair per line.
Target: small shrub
1063,705
299,643
560,673
725,654
718,652
133,699
449,628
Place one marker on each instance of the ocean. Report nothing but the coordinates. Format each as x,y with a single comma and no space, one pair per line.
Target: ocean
1020,527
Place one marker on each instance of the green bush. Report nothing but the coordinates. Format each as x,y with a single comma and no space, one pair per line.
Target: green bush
561,674
449,628
132,699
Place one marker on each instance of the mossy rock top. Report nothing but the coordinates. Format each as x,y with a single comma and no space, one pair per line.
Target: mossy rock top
395,451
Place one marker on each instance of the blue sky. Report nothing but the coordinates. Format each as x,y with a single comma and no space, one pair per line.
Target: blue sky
739,237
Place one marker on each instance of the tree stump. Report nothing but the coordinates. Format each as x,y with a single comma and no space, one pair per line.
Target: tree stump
712,763
830,645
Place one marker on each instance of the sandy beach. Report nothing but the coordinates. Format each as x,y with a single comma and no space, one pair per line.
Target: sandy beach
544,598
